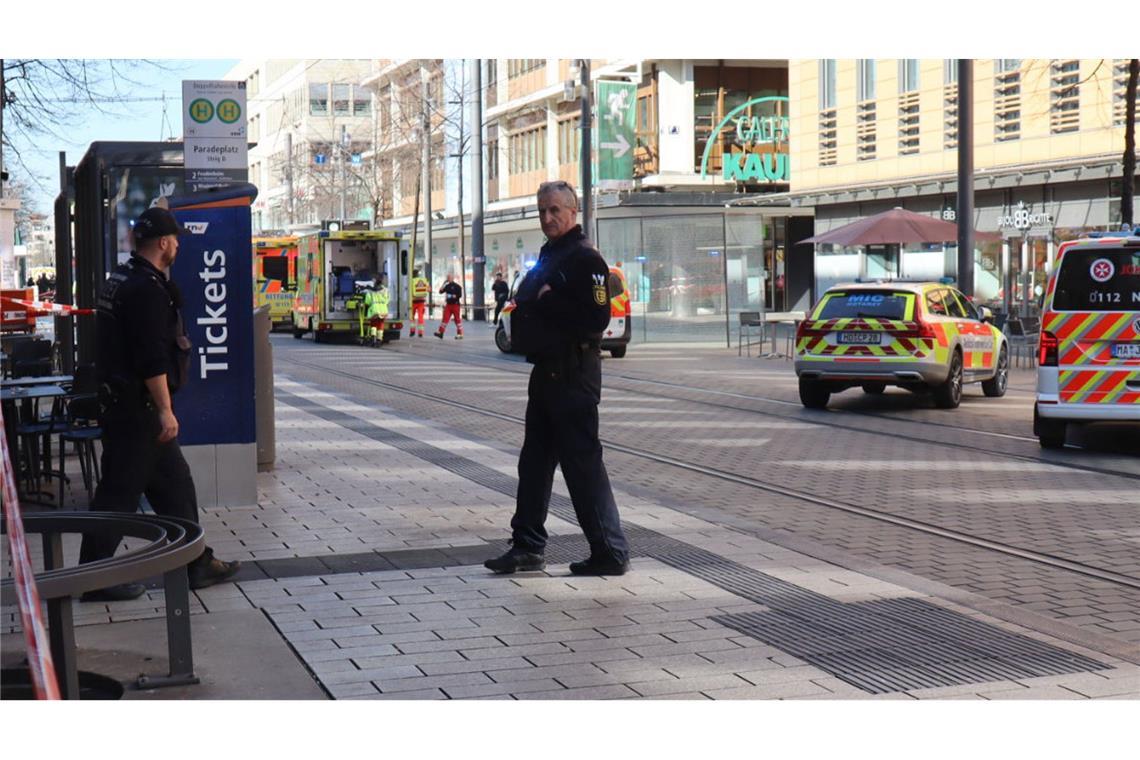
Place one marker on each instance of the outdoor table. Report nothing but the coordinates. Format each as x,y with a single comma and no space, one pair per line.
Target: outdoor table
30,395
18,382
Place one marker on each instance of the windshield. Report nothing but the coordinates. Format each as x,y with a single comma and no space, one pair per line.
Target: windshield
866,304
1101,279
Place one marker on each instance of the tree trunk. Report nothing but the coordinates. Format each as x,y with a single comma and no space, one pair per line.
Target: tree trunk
1128,186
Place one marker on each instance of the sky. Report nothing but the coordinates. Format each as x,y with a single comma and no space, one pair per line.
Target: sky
147,118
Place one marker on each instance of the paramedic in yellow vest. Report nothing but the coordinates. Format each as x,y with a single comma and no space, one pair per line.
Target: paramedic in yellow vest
420,289
376,301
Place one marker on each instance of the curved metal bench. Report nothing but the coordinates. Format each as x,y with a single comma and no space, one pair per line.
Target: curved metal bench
169,545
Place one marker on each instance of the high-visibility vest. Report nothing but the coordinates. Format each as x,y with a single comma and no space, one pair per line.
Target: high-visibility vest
420,289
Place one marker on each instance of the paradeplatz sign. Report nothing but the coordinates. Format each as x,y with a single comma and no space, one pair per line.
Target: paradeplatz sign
761,127
214,136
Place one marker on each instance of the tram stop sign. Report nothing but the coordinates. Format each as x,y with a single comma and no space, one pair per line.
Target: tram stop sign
617,103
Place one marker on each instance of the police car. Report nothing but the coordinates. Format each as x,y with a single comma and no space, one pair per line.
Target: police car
1088,359
615,338
925,337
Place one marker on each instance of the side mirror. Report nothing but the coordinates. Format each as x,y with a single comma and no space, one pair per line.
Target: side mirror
985,315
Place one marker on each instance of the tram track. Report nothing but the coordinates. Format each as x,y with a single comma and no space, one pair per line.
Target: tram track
832,423
920,526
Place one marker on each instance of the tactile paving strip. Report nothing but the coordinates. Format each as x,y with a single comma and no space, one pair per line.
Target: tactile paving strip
878,646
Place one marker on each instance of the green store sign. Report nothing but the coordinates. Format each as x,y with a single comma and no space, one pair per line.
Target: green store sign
749,164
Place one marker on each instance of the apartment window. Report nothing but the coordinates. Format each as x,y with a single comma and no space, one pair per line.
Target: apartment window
342,99
569,142
1064,96
492,72
409,173
827,84
437,169
516,67
865,84
908,75
1007,99
828,138
528,150
950,104
318,99
492,153
252,84
361,101
384,106
255,128
1120,92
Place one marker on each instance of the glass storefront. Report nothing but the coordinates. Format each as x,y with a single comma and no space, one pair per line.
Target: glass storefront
691,275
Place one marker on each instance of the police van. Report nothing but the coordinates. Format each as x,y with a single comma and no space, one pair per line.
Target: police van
616,336
1088,355
924,337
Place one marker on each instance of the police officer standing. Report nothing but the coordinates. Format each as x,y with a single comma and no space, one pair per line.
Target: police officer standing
562,307
502,293
141,359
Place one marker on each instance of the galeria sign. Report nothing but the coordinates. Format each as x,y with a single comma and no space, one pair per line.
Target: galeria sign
761,128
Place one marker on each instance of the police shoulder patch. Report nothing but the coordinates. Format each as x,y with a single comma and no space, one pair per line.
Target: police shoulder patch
600,294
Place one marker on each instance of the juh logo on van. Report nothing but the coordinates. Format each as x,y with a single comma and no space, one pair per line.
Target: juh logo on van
1102,270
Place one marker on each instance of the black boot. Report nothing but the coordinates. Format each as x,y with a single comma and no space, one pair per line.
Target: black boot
516,560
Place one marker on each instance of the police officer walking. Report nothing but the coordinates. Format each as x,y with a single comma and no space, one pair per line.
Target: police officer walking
562,307
141,359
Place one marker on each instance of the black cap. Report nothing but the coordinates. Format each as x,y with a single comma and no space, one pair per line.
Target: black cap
156,222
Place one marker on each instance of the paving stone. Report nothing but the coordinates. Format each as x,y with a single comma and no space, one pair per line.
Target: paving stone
617,691
769,691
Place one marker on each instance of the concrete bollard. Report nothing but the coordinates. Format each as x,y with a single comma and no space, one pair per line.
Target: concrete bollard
263,390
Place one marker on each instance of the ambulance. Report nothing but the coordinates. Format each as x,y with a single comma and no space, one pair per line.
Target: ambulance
1088,351
275,278
924,337
333,270
616,336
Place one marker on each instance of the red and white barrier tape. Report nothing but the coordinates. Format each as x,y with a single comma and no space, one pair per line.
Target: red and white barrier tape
48,307
40,664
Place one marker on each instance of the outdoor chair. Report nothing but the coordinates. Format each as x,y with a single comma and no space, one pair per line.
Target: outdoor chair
31,358
750,332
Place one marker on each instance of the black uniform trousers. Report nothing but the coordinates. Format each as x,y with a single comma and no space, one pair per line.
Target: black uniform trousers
135,463
562,429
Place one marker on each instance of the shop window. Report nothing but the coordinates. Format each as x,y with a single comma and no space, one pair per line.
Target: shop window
1007,99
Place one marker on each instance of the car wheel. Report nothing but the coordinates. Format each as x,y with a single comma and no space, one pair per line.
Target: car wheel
874,388
949,394
996,385
502,340
1050,433
298,333
618,352
814,394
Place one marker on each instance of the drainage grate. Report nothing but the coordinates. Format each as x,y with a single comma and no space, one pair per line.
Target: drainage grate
879,646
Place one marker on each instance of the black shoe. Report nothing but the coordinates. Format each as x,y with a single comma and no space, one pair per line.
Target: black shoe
516,560
599,566
212,571
124,592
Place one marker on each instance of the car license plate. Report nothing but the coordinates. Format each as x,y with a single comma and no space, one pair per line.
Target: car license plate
1126,351
859,338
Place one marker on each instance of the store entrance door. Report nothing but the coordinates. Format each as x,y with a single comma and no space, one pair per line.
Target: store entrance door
1029,259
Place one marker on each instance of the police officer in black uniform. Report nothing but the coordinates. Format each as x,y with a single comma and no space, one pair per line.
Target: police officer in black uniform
141,359
562,307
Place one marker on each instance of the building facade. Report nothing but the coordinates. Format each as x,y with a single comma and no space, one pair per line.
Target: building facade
875,134
706,135
310,125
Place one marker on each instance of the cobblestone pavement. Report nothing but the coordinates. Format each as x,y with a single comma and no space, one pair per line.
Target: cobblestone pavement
364,551
1005,489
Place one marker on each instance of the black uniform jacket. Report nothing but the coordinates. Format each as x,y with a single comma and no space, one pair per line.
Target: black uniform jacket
575,310
139,330
452,292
